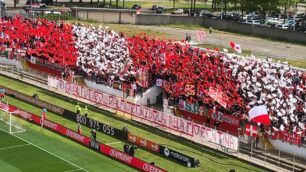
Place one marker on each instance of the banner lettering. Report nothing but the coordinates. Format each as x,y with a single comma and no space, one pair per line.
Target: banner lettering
186,128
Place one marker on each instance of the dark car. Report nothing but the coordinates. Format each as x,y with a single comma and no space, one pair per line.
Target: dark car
154,7
157,9
48,2
33,2
136,7
160,10
36,3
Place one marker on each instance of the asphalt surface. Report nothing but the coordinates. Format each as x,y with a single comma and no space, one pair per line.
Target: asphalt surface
259,46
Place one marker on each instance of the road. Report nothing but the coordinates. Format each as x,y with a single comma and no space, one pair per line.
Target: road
259,46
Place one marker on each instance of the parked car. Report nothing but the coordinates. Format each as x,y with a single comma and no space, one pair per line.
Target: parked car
136,7
160,10
157,9
35,4
178,11
253,22
282,26
48,2
154,7
207,15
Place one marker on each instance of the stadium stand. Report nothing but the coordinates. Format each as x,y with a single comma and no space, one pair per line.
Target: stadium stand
187,73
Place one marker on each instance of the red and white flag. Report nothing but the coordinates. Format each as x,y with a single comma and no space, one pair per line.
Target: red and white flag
142,77
218,95
201,36
236,47
259,114
251,130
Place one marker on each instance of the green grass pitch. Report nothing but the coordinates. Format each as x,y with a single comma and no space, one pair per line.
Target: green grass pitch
211,161
36,151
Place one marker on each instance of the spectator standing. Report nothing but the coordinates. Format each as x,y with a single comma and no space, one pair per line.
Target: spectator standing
86,111
126,148
148,102
132,150
78,108
43,117
188,38
2,93
93,135
79,128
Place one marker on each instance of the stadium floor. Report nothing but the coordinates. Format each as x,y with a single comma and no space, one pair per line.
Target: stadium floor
211,161
20,155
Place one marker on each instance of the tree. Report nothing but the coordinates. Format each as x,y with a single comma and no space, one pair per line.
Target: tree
286,4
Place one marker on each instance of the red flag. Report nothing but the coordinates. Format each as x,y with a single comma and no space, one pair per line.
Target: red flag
142,78
259,114
218,96
251,130
236,47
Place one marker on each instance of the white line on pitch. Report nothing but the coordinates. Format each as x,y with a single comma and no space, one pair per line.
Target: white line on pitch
46,151
113,143
73,170
10,147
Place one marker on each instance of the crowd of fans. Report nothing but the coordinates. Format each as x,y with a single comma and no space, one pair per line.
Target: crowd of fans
43,39
103,54
187,72
279,87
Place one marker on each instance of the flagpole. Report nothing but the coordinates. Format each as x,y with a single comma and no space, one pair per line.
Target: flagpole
265,155
238,140
293,162
278,158
252,147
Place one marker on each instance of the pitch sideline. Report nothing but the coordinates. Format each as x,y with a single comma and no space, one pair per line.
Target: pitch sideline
45,151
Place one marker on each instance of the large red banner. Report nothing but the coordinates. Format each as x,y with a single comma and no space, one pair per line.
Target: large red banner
228,123
287,137
107,150
155,118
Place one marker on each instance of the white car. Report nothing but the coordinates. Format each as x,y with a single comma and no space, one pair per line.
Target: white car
282,26
178,11
253,22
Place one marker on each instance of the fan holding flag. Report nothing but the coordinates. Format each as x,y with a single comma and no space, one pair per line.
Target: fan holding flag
236,47
259,114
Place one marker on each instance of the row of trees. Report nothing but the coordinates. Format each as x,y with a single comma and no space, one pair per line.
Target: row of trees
263,6
255,5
